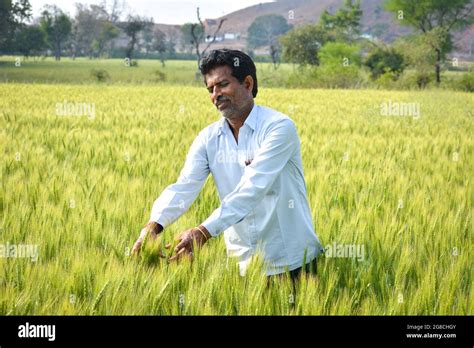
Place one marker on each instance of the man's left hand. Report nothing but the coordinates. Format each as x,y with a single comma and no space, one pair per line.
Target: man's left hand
187,239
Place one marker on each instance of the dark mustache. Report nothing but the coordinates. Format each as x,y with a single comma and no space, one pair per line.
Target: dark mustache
221,99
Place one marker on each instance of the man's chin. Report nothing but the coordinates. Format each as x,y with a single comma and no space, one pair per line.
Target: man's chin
228,114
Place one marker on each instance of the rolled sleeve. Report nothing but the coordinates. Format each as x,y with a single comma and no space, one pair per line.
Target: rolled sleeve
176,199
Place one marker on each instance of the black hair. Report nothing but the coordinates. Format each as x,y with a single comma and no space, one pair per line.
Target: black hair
240,63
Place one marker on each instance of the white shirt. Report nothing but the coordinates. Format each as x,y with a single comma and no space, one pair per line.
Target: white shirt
264,206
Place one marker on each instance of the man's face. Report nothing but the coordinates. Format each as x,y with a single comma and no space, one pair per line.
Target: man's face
229,95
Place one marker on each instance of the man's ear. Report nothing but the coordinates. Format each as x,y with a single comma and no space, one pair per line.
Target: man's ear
248,82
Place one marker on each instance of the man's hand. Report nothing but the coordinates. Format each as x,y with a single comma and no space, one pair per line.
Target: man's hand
153,229
197,235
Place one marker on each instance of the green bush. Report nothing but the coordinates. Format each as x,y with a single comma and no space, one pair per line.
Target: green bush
388,79
301,45
466,83
412,79
302,77
101,75
340,54
340,66
382,61
331,76
160,76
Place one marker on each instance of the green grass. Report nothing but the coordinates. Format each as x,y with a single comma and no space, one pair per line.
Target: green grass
81,189
78,71
183,73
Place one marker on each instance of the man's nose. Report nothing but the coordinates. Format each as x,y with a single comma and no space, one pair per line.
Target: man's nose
216,93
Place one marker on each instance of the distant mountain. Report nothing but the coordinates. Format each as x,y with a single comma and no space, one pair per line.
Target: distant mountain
375,22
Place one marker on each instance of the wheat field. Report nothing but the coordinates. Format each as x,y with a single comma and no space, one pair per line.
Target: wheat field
79,185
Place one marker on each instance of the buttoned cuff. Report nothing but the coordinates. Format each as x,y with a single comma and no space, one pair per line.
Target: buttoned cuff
160,219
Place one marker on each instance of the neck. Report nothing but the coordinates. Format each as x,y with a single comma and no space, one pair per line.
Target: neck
237,122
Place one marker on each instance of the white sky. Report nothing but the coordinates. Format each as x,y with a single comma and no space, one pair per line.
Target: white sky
162,11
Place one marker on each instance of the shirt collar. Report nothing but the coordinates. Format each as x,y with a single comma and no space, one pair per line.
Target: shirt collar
250,121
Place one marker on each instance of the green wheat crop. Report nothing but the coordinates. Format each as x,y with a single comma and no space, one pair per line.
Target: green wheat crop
81,188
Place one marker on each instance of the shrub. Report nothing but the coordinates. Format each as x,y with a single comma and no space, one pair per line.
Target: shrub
388,79
466,83
382,61
100,75
160,76
340,66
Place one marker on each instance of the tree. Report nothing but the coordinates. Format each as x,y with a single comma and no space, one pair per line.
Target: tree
381,61
265,30
417,53
171,43
31,40
94,29
301,45
197,33
86,27
275,54
435,20
12,17
147,39
107,32
187,40
57,26
344,24
160,45
133,26
115,10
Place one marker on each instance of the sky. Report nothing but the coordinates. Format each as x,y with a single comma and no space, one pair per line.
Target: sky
162,11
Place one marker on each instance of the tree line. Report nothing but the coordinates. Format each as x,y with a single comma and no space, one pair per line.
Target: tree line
90,33
335,45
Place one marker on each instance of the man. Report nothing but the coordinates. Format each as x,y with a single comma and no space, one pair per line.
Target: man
253,153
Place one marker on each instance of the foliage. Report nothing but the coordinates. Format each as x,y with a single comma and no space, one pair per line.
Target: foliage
132,27
30,40
344,24
434,20
265,30
101,75
301,45
186,33
380,61
13,15
466,83
57,25
419,56
339,66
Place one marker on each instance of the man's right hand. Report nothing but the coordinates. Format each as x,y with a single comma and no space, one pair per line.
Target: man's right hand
153,228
